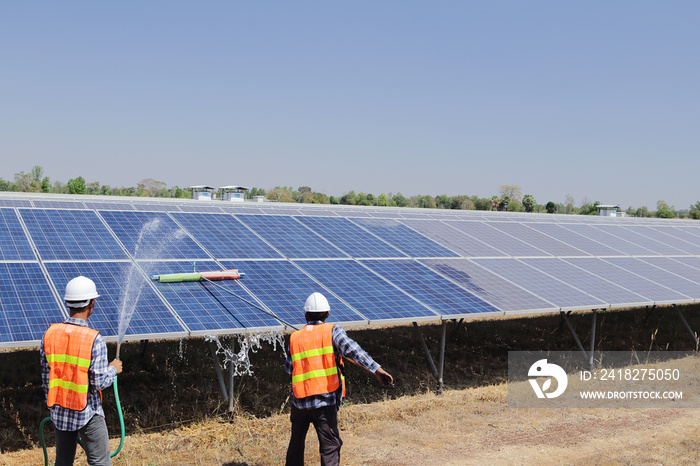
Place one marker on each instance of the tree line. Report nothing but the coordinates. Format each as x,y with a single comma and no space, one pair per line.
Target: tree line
509,198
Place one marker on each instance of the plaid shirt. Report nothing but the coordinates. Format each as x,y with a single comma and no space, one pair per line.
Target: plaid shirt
343,346
100,376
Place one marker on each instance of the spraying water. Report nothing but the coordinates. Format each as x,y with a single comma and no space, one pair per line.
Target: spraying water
248,342
152,241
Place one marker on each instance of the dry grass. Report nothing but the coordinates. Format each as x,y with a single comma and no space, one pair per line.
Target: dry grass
174,413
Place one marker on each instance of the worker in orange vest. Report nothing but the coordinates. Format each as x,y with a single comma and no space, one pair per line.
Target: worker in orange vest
314,361
74,370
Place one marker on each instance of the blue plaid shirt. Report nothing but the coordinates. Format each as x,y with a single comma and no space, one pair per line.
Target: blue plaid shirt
343,346
100,376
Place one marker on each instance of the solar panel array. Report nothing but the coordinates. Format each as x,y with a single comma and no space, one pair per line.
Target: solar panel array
375,265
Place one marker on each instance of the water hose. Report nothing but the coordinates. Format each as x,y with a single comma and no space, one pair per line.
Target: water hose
121,425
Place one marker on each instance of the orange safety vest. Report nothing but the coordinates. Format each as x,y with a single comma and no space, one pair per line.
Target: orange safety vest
314,369
68,350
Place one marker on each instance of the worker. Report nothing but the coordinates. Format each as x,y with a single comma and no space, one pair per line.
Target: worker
314,361
74,370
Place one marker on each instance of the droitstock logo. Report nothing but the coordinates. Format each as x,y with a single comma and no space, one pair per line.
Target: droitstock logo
544,369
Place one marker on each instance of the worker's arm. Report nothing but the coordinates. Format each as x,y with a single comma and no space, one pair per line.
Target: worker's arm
348,348
101,374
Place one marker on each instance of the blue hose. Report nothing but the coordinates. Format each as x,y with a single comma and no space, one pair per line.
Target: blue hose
121,425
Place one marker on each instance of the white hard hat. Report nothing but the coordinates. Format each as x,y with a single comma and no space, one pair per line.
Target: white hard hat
80,289
316,302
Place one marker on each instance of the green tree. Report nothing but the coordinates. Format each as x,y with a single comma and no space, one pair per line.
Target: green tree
694,212
529,203
495,201
400,200
6,185
334,200
461,203
663,210
280,194
46,185
442,201
481,203
24,182
76,185
320,198
551,207
349,198
510,191
382,200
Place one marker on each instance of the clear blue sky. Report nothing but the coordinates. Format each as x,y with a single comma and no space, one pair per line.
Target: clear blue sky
599,100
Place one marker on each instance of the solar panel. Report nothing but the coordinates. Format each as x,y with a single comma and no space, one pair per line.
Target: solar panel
205,308
672,265
151,316
636,235
108,206
373,297
14,244
431,289
657,275
510,298
350,238
605,290
156,207
574,239
70,235
545,286
613,241
504,242
225,237
635,283
283,288
453,239
27,304
548,244
152,235
290,237
403,238
679,237
51,204
15,203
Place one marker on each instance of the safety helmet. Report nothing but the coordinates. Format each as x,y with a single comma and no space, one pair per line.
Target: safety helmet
316,302
80,289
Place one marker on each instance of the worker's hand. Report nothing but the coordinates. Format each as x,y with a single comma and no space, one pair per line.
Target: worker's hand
384,377
117,364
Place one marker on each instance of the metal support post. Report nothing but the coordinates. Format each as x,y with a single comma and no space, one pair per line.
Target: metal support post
219,373
687,325
593,325
649,311
231,372
427,351
565,318
442,357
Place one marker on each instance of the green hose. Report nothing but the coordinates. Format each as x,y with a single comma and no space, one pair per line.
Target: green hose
121,425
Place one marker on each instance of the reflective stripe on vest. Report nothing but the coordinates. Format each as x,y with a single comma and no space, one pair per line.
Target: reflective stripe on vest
314,369
68,350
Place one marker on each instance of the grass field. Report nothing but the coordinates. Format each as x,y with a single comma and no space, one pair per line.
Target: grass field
175,414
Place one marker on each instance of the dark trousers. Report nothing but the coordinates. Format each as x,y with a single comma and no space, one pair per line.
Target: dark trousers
94,438
325,422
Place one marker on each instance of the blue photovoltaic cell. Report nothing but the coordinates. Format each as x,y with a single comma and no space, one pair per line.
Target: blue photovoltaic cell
605,290
290,237
370,295
15,203
628,280
14,244
348,237
574,239
525,232
430,288
540,284
108,206
225,237
689,261
678,237
71,235
452,238
403,238
634,234
662,277
205,308
615,242
283,288
27,305
160,237
50,204
672,265
502,241
151,316
486,285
